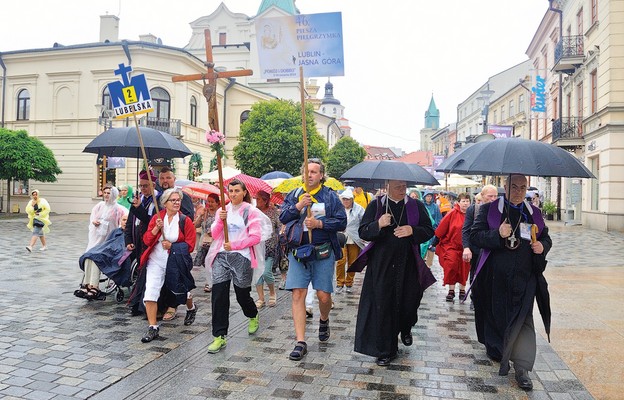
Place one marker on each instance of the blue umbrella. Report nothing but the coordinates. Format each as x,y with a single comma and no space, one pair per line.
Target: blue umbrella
276,175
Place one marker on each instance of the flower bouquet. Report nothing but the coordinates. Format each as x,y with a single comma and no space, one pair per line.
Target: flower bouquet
216,140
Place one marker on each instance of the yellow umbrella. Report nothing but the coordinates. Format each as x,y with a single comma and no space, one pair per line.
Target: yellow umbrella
295,182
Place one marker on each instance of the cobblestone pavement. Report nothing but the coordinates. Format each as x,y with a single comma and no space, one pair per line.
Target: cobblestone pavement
56,346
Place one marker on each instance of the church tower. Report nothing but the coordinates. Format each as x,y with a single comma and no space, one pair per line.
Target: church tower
432,124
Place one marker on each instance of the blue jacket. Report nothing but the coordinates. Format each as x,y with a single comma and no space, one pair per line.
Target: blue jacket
334,220
433,209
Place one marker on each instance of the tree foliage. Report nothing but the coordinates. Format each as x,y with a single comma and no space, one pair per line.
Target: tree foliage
271,139
344,155
23,157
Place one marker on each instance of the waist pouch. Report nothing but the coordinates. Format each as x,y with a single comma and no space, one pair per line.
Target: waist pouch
309,252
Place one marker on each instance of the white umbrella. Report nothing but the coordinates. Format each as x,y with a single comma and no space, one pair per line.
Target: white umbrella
456,181
213,176
274,182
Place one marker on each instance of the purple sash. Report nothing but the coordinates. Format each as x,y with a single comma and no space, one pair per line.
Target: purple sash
425,276
494,222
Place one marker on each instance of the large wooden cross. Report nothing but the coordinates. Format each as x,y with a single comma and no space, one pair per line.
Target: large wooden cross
210,93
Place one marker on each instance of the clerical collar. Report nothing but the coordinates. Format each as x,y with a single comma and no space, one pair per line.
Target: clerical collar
395,201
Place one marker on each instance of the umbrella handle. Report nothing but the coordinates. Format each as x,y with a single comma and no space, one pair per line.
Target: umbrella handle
149,175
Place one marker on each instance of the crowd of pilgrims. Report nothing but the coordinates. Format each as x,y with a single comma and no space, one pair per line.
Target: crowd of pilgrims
394,233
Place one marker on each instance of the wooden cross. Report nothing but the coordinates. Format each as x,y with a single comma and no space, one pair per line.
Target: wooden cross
210,93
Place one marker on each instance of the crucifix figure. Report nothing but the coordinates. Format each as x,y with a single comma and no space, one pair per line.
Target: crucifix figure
210,93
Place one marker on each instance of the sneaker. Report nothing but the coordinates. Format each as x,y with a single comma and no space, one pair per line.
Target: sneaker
282,285
217,344
152,333
349,289
253,324
190,315
44,248
339,289
309,313
29,249
324,330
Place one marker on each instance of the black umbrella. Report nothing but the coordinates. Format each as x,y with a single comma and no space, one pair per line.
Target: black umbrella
377,172
124,142
515,156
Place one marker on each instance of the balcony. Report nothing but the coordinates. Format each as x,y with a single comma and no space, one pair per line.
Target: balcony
171,126
569,54
568,132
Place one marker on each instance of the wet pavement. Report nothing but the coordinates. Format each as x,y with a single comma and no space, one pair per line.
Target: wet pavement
56,346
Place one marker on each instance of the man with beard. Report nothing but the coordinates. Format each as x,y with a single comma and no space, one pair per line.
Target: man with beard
514,243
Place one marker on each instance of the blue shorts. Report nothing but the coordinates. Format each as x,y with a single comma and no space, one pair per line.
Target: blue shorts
319,272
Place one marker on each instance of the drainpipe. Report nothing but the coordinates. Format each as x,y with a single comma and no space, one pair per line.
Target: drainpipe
560,111
231,83
3,88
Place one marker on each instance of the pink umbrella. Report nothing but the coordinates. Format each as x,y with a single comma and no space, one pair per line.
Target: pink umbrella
201,190
254,185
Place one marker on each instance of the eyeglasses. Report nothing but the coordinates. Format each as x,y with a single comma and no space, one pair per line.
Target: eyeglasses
175,200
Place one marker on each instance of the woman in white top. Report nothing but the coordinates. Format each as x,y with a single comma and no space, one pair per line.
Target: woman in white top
105,218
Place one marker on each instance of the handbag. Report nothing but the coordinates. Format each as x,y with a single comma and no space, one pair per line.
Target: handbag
38,223
305,253
293,233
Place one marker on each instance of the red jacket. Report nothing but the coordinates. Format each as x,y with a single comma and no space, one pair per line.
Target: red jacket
450,248
189,236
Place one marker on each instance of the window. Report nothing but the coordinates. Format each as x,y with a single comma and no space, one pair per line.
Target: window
495,117
579,99
569,105
555,107
593,77
244,116
521,103
106,102
579,22
20,188
502,113
512,108
222,38
161,102
23,105
594,165
193,111
594,11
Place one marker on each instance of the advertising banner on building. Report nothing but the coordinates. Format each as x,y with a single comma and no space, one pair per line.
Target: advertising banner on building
313,41
500,131
538,94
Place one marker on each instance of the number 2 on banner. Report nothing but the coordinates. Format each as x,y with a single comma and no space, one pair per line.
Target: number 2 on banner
129,95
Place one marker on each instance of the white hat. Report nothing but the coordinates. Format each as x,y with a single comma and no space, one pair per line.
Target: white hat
346,194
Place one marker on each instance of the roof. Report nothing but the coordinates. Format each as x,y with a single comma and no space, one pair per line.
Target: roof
379,153
286,5
421,157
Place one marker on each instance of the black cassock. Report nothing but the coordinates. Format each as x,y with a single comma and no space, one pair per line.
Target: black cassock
506,287
391,291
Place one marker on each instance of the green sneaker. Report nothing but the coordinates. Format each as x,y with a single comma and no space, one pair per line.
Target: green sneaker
217,344
253,324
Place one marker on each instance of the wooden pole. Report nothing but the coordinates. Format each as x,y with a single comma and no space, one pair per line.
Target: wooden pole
305,142
149,175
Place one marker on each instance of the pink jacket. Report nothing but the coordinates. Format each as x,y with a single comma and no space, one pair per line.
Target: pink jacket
252,238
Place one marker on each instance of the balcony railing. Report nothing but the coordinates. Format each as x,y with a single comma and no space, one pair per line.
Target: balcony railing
569,47
567,128
171,126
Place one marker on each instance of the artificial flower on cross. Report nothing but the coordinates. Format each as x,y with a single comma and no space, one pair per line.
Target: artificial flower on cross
216,140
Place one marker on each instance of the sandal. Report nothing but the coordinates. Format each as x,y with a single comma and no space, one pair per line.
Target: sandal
300,350
259,304
450,296
94,294
462,295
170,314
82,292
207,288
272,300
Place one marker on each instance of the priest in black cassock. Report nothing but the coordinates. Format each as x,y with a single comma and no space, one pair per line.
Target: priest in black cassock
514,242
396,275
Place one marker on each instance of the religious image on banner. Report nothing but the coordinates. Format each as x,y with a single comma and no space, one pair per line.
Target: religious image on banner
313,41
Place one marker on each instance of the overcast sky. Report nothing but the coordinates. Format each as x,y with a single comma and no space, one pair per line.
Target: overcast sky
395,58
